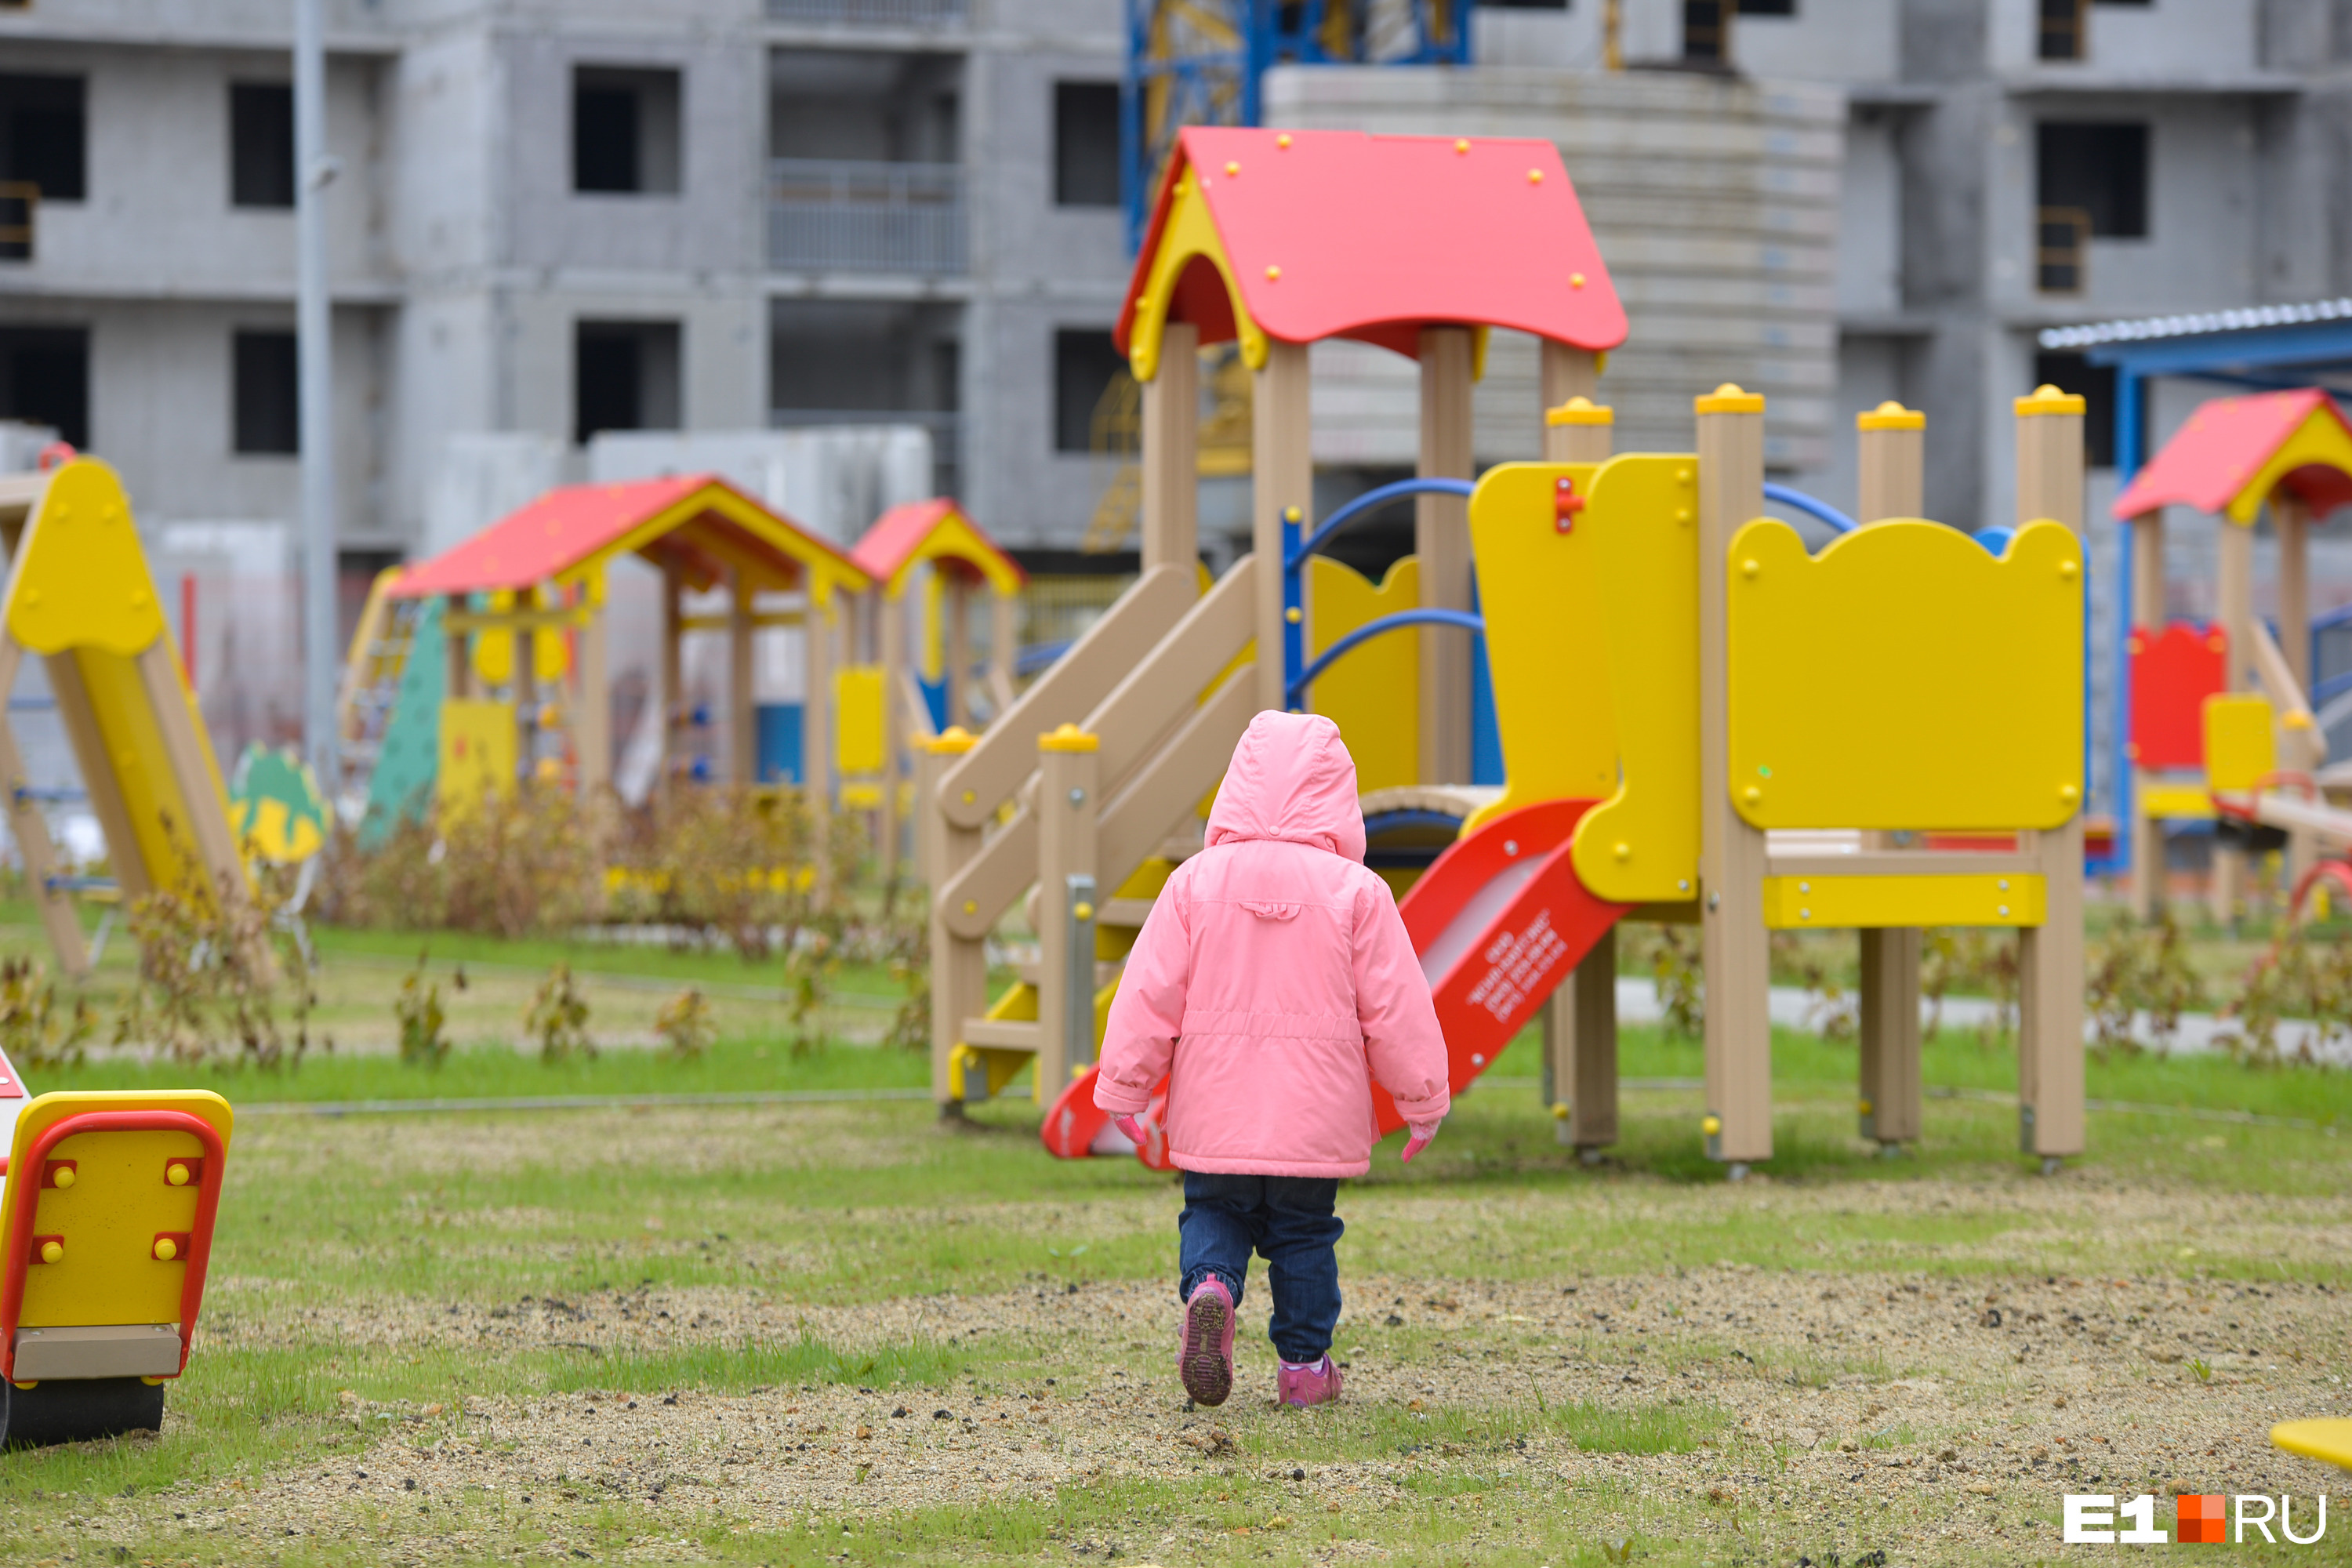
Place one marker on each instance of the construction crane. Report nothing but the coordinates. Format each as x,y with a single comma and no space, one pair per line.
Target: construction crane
1199,62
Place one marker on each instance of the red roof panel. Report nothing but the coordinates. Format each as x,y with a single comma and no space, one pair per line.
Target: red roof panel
1374,238
2223,447
898,533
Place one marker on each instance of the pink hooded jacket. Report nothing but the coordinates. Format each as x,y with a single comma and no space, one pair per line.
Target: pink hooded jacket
1274,979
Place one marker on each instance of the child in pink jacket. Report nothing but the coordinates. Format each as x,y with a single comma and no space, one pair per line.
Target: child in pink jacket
1273,982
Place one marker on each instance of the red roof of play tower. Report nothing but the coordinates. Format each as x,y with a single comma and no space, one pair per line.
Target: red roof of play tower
1339,234
2225,445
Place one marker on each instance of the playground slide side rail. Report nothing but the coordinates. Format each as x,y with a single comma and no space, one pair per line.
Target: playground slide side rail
1156,693
1007,754
1136,820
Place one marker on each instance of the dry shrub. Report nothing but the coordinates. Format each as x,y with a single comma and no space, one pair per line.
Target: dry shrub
1971,961
215,973
685,1025
2302,975
751,868
529,862
36,1030
558,1018
422,1019
2140,969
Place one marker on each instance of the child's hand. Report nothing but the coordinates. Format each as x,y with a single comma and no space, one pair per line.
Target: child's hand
1422,1135
1132,1128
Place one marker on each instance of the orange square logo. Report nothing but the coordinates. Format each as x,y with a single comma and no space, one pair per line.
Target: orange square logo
2200,1518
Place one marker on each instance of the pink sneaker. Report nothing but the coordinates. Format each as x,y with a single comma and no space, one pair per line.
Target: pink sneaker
1317,1384
1206,1360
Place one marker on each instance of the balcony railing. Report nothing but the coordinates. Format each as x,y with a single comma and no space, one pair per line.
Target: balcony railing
2062,244
869,13
19,199
837,216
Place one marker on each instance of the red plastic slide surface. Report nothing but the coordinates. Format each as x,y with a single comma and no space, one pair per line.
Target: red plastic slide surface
1499,921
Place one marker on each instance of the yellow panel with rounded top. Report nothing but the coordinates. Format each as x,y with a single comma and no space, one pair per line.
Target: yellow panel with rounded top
82,581
1640,845
1905,677
1539,592
2241,742
106,1221
1372,691
859,720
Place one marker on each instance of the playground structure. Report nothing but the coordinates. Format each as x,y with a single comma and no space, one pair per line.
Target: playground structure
2233,683
1652,643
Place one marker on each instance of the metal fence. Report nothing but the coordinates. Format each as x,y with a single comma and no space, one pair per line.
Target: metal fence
830,214
869,13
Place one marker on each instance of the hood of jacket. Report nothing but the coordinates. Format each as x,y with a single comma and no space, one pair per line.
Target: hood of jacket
1291,779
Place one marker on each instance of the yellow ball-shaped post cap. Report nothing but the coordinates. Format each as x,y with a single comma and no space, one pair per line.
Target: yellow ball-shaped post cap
166,1249
1863,1106
1084,911
176,1174
1581,411
1559,1110
952,742
1891,416
62,1177
1729,398
2047,399
53,1252
1711,1125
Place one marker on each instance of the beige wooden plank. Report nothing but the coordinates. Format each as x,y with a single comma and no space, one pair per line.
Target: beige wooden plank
31,831
591,706
1003,1035
1171,458
1080,680
1590,994
1069,805
1136,821
891,631
1441,538
1282,482
975,896
2148,873
959,963
1904,863
1166,682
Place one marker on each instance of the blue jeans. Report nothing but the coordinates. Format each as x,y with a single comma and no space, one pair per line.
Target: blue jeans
1287,1221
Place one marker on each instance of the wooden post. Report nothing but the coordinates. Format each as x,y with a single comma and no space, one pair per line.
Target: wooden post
1580,1022
2292,520
1566,373
1738,1123
2148,615
2049,956
1066,809
674,712
592,702
890,619
1892,441
2233,589
1441,538
31,831
1003,631
959,964
743,717
522,689
1282,482
1170,477
816,715
456,647
957,653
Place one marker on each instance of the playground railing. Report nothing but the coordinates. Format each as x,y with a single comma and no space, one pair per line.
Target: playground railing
854,216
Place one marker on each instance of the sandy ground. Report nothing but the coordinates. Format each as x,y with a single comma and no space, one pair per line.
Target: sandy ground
1949,1418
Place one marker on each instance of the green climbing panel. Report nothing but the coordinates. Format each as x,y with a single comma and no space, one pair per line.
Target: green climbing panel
401,787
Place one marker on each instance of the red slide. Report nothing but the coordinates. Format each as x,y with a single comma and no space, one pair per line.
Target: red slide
1500,920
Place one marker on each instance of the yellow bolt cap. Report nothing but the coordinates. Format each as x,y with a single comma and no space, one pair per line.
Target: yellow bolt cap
53,1252
1535,176
1461,145
1273,274
1559,1110
1711,1125
1293,615
64,1178
176,1174
1751,795
1862,1106
1750,567
970,907
1622,850
1283,139
166,1249
1083,911
1233,168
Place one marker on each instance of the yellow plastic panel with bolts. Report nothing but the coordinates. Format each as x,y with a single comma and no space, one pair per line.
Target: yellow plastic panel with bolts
2241,742
107,1217
1538,589
1640,843
2188,802
1831,903
1373,691
1906,677
83,580
859,719
477,753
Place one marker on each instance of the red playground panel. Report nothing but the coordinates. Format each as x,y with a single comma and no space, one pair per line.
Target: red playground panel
2172,673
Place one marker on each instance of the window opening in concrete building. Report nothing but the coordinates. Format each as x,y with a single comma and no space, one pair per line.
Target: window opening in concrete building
261,144
626,377
1767,7
44,379
42,133
2091,182
267,397
1084,364
1706,30
2062,32
1086,143
625,130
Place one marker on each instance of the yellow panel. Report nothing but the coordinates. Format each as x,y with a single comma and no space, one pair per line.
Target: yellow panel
2319,439
1905,677
142,770
1372,692
1640,843
79,579
861,794
857,720
2241,744
1538,589
109,1217
1971,899
1189,232
478,754
494,650
2178,801
2330,1440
